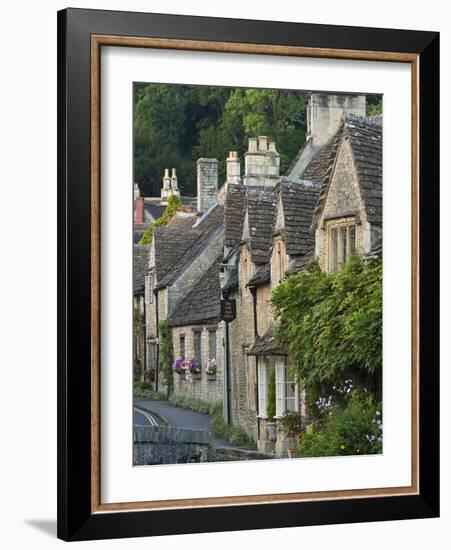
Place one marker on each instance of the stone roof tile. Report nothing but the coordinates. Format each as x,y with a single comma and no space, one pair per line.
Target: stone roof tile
140,266
203,303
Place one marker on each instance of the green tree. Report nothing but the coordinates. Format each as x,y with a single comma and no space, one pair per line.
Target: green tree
174,125
373,105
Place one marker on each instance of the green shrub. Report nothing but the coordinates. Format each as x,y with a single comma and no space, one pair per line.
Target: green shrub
351,428
143,388
219,426
196,405
238,436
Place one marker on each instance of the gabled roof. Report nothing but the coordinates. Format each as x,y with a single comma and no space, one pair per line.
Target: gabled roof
140,266
234,214
267,345
365,139
182,220
153,209
317,167
208,224
203,303
170,245
261,276
298,199
260,208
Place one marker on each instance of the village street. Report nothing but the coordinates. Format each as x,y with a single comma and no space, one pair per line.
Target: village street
176,417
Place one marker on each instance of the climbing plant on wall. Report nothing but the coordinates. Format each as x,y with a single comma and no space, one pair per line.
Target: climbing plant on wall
172,207
331,324
166,354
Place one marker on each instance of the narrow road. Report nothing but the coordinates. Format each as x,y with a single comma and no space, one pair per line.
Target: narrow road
180,418
144,418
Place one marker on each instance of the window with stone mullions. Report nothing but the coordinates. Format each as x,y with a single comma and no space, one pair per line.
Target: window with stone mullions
341,245
182,346
197,345
212,344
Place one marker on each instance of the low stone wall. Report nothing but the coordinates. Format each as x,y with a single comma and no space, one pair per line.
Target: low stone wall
167,445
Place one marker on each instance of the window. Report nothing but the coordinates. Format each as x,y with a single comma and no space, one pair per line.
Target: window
212,344
341,244
352,239
182,346
197,345
287,397
262,387
334,249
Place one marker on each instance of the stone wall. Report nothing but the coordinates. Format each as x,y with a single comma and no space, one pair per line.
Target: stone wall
206,388
167,445
242,367
207,183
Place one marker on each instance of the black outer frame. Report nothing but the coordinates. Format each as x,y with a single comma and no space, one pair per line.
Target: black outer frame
75,521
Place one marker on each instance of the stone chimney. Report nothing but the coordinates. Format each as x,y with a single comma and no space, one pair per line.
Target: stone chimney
262,162
139,210
174,181
136,192
324,113
233,168
207,183
170,186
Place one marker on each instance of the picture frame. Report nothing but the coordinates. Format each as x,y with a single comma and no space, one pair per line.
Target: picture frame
81,35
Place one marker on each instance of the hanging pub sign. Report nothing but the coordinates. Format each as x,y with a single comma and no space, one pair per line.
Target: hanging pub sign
228,310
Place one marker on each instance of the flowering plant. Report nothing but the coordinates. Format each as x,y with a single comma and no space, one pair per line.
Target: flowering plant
210,366
193,366
178,366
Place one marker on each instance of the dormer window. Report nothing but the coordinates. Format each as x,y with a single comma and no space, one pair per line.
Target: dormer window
341,242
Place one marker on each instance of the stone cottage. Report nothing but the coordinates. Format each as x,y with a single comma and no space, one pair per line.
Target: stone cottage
183,256
140,263
327,207
243,240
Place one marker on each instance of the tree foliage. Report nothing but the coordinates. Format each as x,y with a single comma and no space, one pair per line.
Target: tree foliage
176,124
373,105
173,206
331,324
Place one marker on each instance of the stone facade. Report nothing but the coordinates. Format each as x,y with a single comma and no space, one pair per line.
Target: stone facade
204,387
327,207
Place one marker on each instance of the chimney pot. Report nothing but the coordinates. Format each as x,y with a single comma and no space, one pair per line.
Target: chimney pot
252,144
233,167
262,143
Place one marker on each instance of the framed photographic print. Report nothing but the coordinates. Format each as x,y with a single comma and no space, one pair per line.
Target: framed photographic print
248,274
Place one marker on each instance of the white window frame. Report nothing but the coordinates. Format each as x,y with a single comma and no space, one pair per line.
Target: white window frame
262,387
281,382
